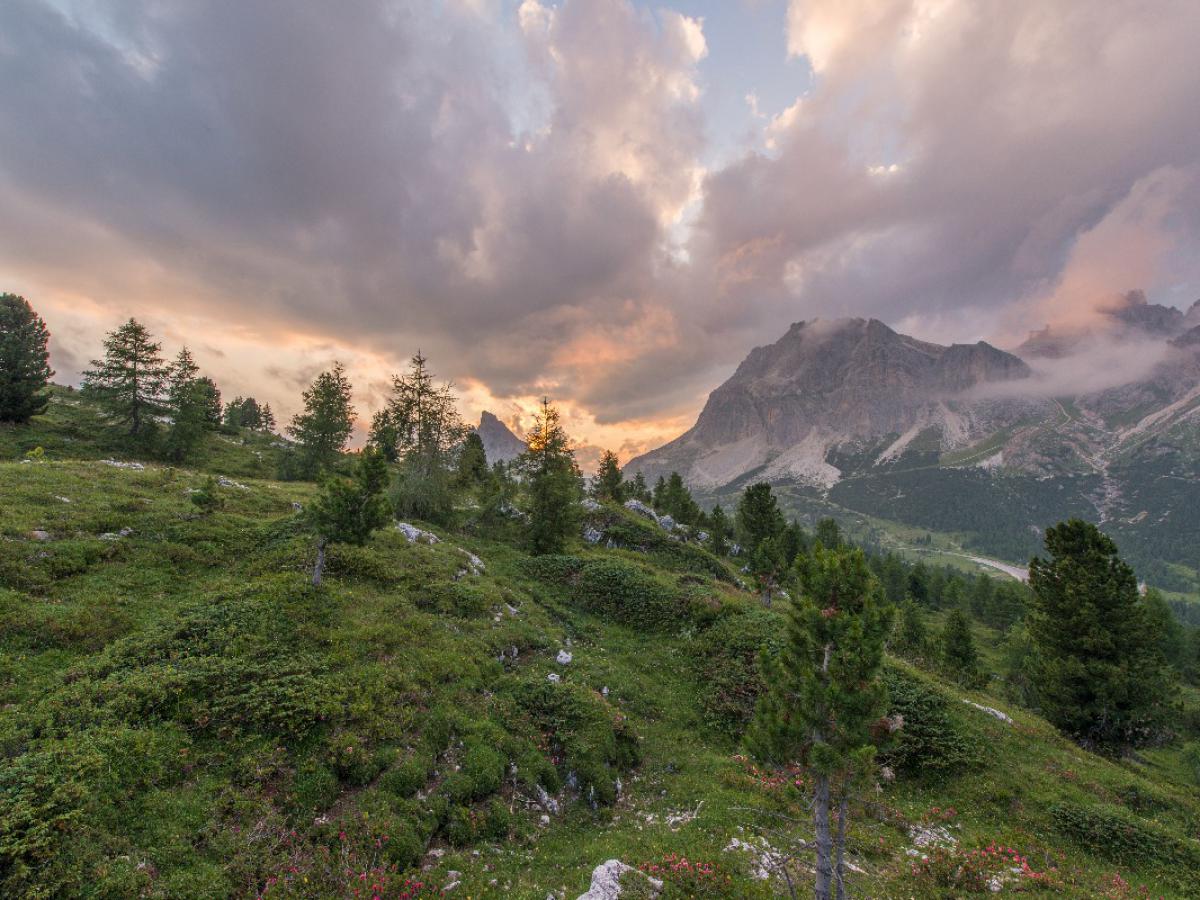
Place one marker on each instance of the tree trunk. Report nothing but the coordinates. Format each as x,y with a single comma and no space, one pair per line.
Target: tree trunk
319,565
840,844
824,839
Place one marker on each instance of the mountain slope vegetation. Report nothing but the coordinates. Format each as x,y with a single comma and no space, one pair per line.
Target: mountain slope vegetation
185,716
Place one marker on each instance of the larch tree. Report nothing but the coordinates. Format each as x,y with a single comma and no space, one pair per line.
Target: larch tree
1098,674
324,426
24,360
420,427
553,484
825,702
719,531
129,382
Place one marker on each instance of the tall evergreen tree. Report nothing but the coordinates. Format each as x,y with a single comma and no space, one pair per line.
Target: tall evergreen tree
719,530
421,428
188,405
267,419
348,510
24,360
659,493
552,483
676,501
638,489
472,462
211,398
758,516
829,533
609,483
825,699
911,639
128,383
960,659
325,425
1098,674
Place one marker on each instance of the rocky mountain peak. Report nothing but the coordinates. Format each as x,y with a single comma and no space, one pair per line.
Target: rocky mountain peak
499,443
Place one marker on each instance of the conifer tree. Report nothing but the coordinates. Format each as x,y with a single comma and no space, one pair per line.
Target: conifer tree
1097,673
553,483
829,533
912,637
677,502
609,483
421,428
825,699
348,510
188,405
128,383
267,419
24,361
719,531
472,462
767,565
211,401
758,516
658,494
638,489
497,493
960,659
325,425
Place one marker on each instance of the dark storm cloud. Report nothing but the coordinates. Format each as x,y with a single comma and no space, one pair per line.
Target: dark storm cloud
505,192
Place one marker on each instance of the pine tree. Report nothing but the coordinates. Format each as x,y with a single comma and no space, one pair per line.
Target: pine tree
211,401
188,405
208,498
1167,629
959,658
676,501
244,412
128,383
825,699
1098,675
829,533
553,483
719,531
609,483
638,489
421,428
758,516
267,419
24,361
497,493
767,566
658,494
472,462
912,637
325,425
348,510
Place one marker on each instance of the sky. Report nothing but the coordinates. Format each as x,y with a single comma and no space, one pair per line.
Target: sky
607,202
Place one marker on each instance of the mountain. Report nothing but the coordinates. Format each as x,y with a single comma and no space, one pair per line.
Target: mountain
851,418
499,443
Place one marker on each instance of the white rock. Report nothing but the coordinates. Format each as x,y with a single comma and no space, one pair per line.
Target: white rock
641,509
547,802
116,464
667,522
110,536
553,678
38,535
416,535
564,658
592,534
606,881
589,504
63,499
474,563
995,713
230,483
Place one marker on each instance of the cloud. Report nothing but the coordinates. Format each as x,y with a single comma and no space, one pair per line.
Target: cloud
527,195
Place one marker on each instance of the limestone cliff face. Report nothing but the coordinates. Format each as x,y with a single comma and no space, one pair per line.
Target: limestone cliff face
829,383
499,443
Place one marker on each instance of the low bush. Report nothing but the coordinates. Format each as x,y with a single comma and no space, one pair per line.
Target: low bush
1112,833
726,661
933,741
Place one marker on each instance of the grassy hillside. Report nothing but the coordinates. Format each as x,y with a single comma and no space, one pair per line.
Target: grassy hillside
185,717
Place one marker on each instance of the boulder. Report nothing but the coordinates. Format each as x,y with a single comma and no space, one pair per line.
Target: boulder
641,509
564,658
416,535
606,881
